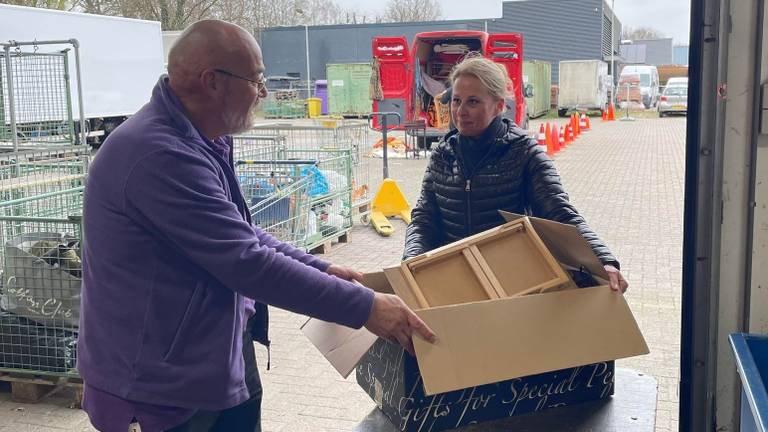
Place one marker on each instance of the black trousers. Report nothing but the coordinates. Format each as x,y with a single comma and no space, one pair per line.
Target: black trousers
245,417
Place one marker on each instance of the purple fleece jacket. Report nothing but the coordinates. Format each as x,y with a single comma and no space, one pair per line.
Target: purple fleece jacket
170,258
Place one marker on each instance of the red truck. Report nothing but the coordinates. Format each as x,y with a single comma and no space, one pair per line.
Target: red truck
411,78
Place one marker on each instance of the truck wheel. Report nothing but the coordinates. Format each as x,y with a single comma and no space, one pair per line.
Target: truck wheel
562,112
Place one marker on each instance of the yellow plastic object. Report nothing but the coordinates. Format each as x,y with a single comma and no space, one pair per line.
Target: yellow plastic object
389,202
381,224
314,107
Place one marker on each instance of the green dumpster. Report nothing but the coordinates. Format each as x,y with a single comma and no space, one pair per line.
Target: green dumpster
348,89
537,75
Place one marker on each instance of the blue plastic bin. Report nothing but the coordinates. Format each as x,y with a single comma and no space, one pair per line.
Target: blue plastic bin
751,353
276,211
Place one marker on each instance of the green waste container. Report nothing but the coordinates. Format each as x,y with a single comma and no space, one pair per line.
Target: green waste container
348,89
538,74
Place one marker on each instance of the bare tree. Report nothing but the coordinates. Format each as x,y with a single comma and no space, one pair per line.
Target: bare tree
641,33
412,10
46,4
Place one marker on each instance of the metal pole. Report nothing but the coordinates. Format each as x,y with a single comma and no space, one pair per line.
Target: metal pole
384,137
11,101
306,45
83,138
613,54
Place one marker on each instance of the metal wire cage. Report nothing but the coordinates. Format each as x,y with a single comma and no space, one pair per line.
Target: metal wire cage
277,193
258,147
330,193
41,197
36,97
333,134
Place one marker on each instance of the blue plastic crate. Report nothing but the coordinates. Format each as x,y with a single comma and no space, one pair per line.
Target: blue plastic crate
751,352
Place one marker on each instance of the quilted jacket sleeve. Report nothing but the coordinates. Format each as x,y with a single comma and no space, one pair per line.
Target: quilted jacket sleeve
424,233
548,200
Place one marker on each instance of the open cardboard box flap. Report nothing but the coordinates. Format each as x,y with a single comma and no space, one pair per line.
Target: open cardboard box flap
565,242
490,341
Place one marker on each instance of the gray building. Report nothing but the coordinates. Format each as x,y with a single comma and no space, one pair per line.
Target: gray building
653,52
680,55
553,30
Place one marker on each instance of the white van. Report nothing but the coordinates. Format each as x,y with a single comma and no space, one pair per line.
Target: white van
649,82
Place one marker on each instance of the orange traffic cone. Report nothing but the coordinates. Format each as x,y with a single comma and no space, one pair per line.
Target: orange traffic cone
604,115
583,123
567,133
555,138
541,138
548,132
574,125
589,126
611,116
561,141
571,135
551,149
577,120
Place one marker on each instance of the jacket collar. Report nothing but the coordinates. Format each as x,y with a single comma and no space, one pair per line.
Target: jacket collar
500,138
165,99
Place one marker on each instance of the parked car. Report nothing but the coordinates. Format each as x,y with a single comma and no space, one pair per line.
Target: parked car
674,99
649,82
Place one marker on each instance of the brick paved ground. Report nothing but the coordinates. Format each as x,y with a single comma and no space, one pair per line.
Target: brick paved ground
626,178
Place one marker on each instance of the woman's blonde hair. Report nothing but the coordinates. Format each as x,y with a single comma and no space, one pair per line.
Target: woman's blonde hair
493,76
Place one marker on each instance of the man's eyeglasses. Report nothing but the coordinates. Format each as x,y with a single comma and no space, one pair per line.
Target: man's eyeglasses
260,84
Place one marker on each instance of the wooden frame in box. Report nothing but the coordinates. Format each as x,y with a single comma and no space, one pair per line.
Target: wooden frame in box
510,260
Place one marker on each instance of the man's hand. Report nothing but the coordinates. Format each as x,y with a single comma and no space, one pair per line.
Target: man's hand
391,319
343,272
616,280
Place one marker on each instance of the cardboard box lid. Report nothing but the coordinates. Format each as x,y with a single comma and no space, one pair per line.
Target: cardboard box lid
565,242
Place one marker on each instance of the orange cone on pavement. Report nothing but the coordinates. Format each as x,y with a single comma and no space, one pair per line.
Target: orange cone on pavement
583,123
589,126
548,132
571,135
555,138
574,125
576,121
603,115
551,148
567,134
561,141
541,138
611,115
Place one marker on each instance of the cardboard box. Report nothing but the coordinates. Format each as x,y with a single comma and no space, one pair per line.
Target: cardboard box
391,378
493,338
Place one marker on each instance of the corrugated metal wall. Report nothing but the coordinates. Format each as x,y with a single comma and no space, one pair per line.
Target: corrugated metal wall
553,30
284,48
657,51
680,55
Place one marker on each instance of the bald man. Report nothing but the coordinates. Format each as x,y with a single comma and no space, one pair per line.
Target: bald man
176,279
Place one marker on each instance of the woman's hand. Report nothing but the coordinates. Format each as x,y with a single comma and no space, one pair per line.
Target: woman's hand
616,280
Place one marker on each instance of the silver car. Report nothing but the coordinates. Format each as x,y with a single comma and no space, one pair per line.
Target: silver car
674,99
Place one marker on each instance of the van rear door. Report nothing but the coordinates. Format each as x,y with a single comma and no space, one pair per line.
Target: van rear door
507,49
394,72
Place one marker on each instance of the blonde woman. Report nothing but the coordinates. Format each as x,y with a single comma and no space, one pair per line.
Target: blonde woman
488,164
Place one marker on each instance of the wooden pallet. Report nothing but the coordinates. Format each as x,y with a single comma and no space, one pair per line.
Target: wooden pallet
326,246
31,388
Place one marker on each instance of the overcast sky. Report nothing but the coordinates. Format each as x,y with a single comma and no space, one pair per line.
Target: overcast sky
670,17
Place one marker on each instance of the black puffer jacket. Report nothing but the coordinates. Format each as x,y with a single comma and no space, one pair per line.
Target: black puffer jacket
516,175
